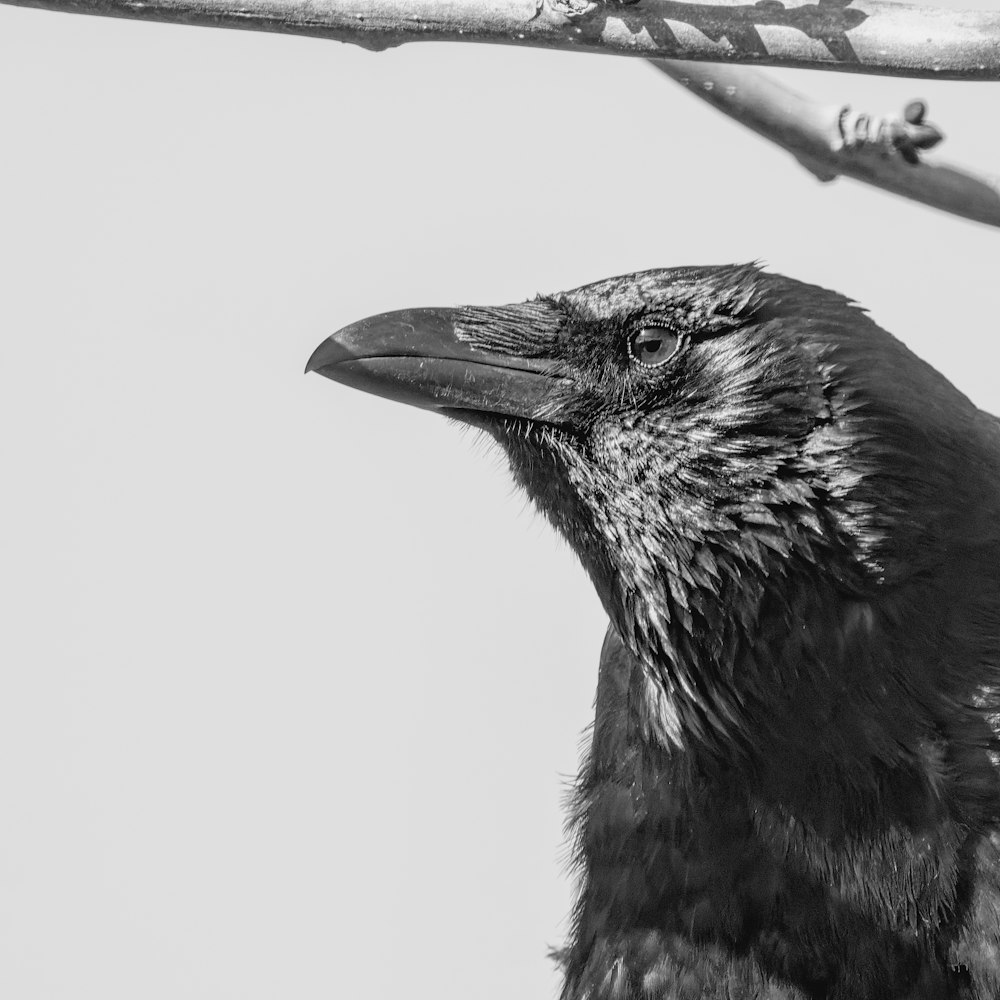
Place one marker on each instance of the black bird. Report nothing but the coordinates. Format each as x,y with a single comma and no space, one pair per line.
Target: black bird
793,787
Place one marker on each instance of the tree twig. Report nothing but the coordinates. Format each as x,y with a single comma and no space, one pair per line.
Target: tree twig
869,36
815,135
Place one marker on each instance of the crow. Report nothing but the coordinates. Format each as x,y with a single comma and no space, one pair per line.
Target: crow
792,788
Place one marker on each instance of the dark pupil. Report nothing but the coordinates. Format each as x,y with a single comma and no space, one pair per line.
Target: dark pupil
653,345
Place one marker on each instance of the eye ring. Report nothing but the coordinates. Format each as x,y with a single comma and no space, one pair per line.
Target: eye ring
652,345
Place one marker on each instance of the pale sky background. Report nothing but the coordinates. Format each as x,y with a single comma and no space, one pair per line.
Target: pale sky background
291,677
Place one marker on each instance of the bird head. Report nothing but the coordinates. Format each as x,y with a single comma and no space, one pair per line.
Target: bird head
727,451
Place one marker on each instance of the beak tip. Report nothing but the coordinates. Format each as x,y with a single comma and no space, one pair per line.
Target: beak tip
322,356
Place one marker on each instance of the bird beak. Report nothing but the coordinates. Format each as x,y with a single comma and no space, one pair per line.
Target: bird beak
417,356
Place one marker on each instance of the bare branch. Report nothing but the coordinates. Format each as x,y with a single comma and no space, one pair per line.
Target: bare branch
870,36
829,141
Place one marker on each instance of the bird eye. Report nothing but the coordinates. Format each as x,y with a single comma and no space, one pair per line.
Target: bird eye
653,345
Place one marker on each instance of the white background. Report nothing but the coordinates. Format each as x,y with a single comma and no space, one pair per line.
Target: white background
290,679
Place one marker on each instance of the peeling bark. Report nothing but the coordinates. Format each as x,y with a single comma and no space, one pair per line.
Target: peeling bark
869,36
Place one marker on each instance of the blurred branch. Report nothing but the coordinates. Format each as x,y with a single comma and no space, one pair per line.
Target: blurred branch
831,141
870,36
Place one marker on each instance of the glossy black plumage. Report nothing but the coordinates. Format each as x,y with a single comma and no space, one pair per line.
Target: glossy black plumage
794,525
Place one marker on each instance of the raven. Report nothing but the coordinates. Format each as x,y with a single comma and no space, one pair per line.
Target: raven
793,783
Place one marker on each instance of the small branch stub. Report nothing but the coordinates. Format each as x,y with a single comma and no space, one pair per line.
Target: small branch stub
908,135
